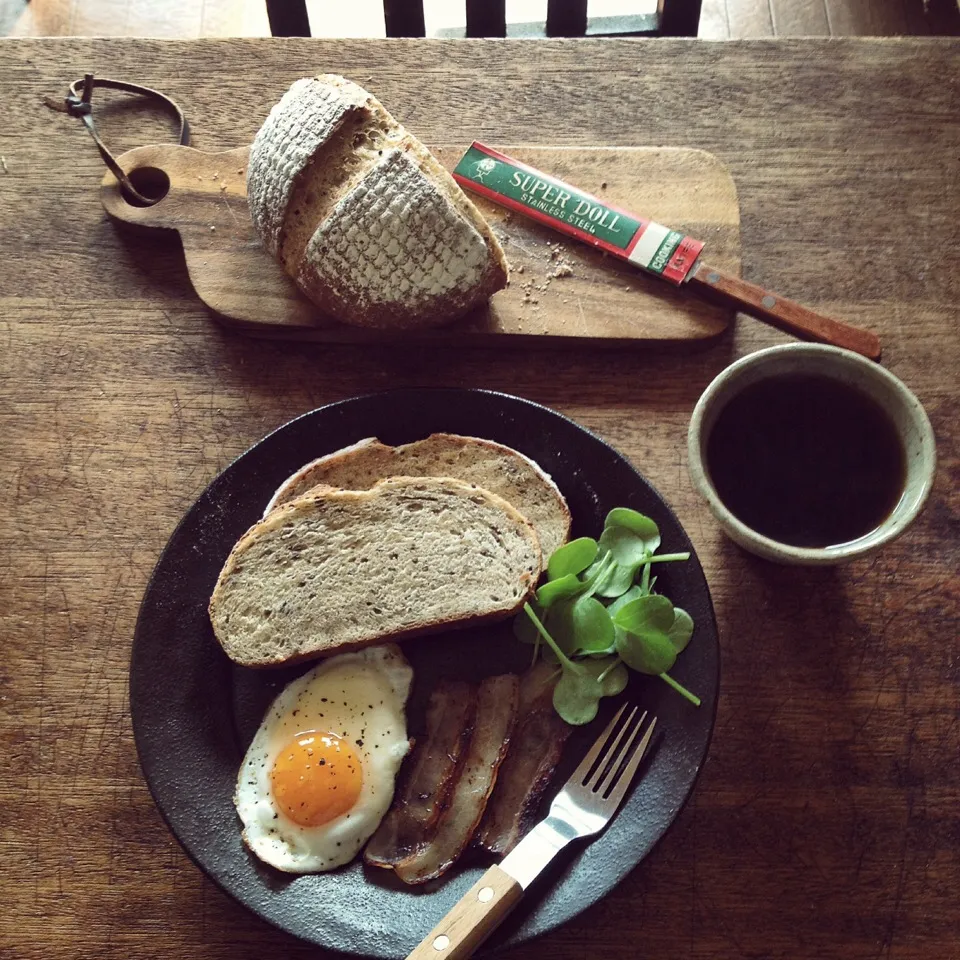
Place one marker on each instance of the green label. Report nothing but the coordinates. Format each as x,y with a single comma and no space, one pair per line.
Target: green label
552,198
665,251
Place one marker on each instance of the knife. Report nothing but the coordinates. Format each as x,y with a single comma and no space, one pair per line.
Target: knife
666,253
584,806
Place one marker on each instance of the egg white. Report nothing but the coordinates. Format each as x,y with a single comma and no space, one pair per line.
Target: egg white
360,697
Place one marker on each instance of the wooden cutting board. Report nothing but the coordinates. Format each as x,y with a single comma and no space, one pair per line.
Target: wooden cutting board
559,288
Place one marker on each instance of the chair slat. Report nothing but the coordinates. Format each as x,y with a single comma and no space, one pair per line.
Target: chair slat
486,18
288,18
566,18
404,18
679,18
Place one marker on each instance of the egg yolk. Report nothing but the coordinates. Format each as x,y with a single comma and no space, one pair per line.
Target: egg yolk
315,778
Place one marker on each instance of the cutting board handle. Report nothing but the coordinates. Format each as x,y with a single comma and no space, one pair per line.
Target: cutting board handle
170,171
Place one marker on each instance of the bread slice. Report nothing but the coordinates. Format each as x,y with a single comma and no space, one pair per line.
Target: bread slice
364,218
338,570
493,466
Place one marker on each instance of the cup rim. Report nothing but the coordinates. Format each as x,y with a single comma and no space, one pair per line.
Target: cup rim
767,547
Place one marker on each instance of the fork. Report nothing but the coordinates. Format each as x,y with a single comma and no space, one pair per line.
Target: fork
583,807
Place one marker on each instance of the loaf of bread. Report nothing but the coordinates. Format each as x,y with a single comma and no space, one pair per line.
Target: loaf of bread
362,216
337,570
492,466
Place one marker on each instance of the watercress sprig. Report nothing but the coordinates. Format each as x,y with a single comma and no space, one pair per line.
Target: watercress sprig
592,642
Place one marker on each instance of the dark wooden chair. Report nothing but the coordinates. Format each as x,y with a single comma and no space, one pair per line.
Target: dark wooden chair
487,18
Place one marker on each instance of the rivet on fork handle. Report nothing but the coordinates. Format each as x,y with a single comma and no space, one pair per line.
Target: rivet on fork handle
473,919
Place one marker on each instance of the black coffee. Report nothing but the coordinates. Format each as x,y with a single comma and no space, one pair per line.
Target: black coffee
806,461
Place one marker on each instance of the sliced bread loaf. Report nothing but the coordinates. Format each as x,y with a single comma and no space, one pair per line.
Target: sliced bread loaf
339,569
493,466
364,218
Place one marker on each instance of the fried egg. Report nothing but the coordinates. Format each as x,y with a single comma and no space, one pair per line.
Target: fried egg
319,775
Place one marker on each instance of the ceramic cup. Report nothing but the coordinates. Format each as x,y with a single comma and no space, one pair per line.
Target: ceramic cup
903,408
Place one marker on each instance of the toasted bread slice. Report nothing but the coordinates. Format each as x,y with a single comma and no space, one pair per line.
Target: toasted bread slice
493,466
337,570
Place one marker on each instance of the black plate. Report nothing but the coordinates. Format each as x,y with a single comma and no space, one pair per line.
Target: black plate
194,713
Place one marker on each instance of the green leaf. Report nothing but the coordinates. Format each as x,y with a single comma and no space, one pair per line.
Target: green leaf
572,558
594,567
617,582
562,627
562,589
623,600
681,630
652,614
547,638
630,538
576,697
637,523
625,547
610,671
592,626
652,653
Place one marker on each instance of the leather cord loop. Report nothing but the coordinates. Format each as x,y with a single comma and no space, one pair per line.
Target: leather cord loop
79,104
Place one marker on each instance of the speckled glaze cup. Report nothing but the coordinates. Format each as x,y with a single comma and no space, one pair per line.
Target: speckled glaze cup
908,416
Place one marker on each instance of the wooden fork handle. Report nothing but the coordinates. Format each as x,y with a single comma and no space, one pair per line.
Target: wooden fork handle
473,918
792,317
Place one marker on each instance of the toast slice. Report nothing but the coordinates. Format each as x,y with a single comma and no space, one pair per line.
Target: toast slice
489,465
336,570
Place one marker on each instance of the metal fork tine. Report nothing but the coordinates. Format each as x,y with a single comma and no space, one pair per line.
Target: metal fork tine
620,785
619,752
586,764
612,754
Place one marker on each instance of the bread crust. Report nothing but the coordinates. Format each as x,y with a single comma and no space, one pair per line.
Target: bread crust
391,458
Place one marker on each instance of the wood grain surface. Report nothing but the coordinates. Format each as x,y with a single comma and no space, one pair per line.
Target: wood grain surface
826,823
558,288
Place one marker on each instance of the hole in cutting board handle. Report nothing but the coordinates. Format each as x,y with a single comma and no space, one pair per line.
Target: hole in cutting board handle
152,182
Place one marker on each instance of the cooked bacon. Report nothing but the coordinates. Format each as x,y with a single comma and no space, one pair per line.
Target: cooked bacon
496,713
525,774
429,776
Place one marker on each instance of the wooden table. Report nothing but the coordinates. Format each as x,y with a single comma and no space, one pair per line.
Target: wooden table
827,820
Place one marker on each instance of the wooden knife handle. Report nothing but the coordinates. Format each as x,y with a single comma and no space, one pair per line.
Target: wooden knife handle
781,312
477,914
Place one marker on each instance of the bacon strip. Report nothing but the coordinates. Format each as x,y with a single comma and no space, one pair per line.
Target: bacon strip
430,775
496,713
526,772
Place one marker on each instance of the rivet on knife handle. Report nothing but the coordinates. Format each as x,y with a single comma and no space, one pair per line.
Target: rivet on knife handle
478,913
783,313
